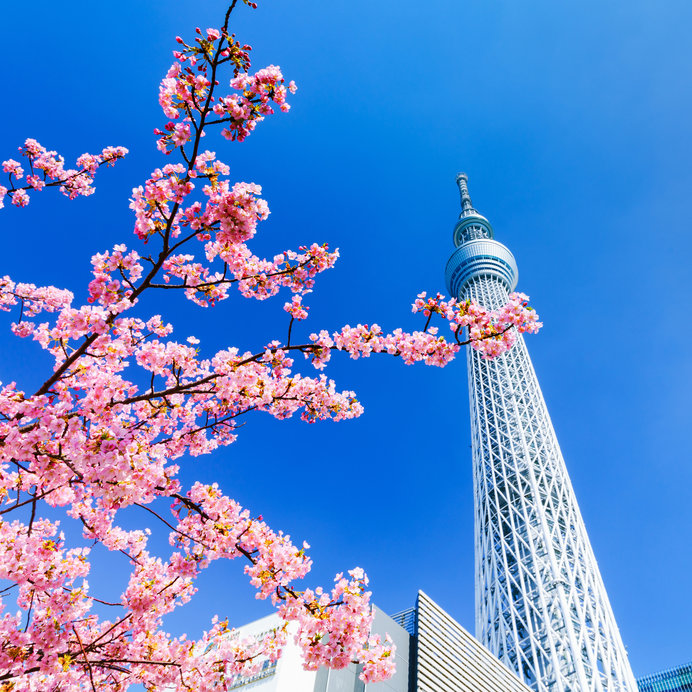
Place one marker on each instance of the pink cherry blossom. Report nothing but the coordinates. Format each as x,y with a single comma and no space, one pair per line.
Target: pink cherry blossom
48,170
125,403
20,198
13,168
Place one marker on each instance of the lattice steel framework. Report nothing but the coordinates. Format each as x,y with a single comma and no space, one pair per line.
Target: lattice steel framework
541,606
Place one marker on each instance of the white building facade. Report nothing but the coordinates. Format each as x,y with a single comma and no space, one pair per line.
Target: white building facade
288,675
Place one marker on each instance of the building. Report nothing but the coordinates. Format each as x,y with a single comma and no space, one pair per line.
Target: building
672,680
446,658
434,653
287,674
541,606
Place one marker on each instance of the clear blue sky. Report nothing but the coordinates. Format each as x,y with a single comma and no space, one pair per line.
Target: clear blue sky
573,123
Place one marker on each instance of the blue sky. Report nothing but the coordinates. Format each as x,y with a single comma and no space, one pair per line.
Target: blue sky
572,121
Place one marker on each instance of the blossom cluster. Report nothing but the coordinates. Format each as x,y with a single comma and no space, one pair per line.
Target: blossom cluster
186,91
296,309
33,299
125,404
224,220
345,612
48,169
489,331
243,111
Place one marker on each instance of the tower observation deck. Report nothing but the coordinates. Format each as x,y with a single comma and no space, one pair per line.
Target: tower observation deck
541,606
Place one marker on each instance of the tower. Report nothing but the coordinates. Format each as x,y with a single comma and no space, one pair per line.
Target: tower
541,606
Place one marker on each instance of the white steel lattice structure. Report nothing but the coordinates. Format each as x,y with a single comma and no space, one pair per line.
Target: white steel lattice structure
541,606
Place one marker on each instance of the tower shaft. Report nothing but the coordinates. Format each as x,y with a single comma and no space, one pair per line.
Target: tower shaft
541,606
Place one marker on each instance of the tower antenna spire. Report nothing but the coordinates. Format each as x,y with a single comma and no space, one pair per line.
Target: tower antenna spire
471,225
466,204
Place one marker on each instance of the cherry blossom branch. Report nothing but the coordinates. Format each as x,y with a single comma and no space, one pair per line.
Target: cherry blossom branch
86,659
92,442
190,388
71,182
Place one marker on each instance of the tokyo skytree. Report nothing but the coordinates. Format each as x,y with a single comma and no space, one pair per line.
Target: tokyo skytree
541,606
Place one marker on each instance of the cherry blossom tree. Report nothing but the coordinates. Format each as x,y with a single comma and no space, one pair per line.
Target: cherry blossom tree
125,404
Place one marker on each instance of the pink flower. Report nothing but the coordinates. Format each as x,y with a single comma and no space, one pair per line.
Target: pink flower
20,198
35,182
13,168
296,309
